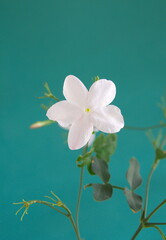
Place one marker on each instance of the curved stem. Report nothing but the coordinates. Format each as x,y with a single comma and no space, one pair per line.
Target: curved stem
68,215
51,206
160,231
143,216
155,210
74,227
161,125
147,192
147,188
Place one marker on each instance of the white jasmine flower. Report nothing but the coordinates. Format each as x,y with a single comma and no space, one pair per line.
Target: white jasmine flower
83,110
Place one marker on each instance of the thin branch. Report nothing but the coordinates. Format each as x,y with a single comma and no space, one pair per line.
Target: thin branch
155,223
117,187
156,209
155,163
160,231
137,232
161,125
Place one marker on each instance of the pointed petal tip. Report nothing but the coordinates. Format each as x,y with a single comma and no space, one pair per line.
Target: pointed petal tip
74,147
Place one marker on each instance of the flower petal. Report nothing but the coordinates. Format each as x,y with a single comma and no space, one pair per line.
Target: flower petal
80,132
108,119
92,139
64,113
101,93
74,91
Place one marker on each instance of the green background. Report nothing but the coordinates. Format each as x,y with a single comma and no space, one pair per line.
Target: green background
121,40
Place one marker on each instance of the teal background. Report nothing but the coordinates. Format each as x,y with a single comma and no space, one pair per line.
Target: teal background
45,41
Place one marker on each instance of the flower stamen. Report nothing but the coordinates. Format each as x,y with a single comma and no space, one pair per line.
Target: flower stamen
87,110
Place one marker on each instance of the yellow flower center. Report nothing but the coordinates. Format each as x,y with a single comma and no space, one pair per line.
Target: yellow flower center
87,110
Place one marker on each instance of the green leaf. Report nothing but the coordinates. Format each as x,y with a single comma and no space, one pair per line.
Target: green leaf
134,200
101,191
100,168
133,174
84,160
90,169
104,146
160,154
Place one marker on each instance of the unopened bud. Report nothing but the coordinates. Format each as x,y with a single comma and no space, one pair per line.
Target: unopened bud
40,124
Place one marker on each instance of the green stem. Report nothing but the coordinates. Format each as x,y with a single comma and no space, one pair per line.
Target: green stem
155,223
160,231
74,227
80,193
79,198
117,187
55,98
143,216
51,206
68,215
161,125
155,163
137,232
155,210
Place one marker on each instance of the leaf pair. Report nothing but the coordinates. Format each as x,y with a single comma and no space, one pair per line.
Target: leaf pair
101,191
103,147
134,179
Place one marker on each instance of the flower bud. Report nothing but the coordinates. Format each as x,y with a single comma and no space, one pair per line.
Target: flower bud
40,124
